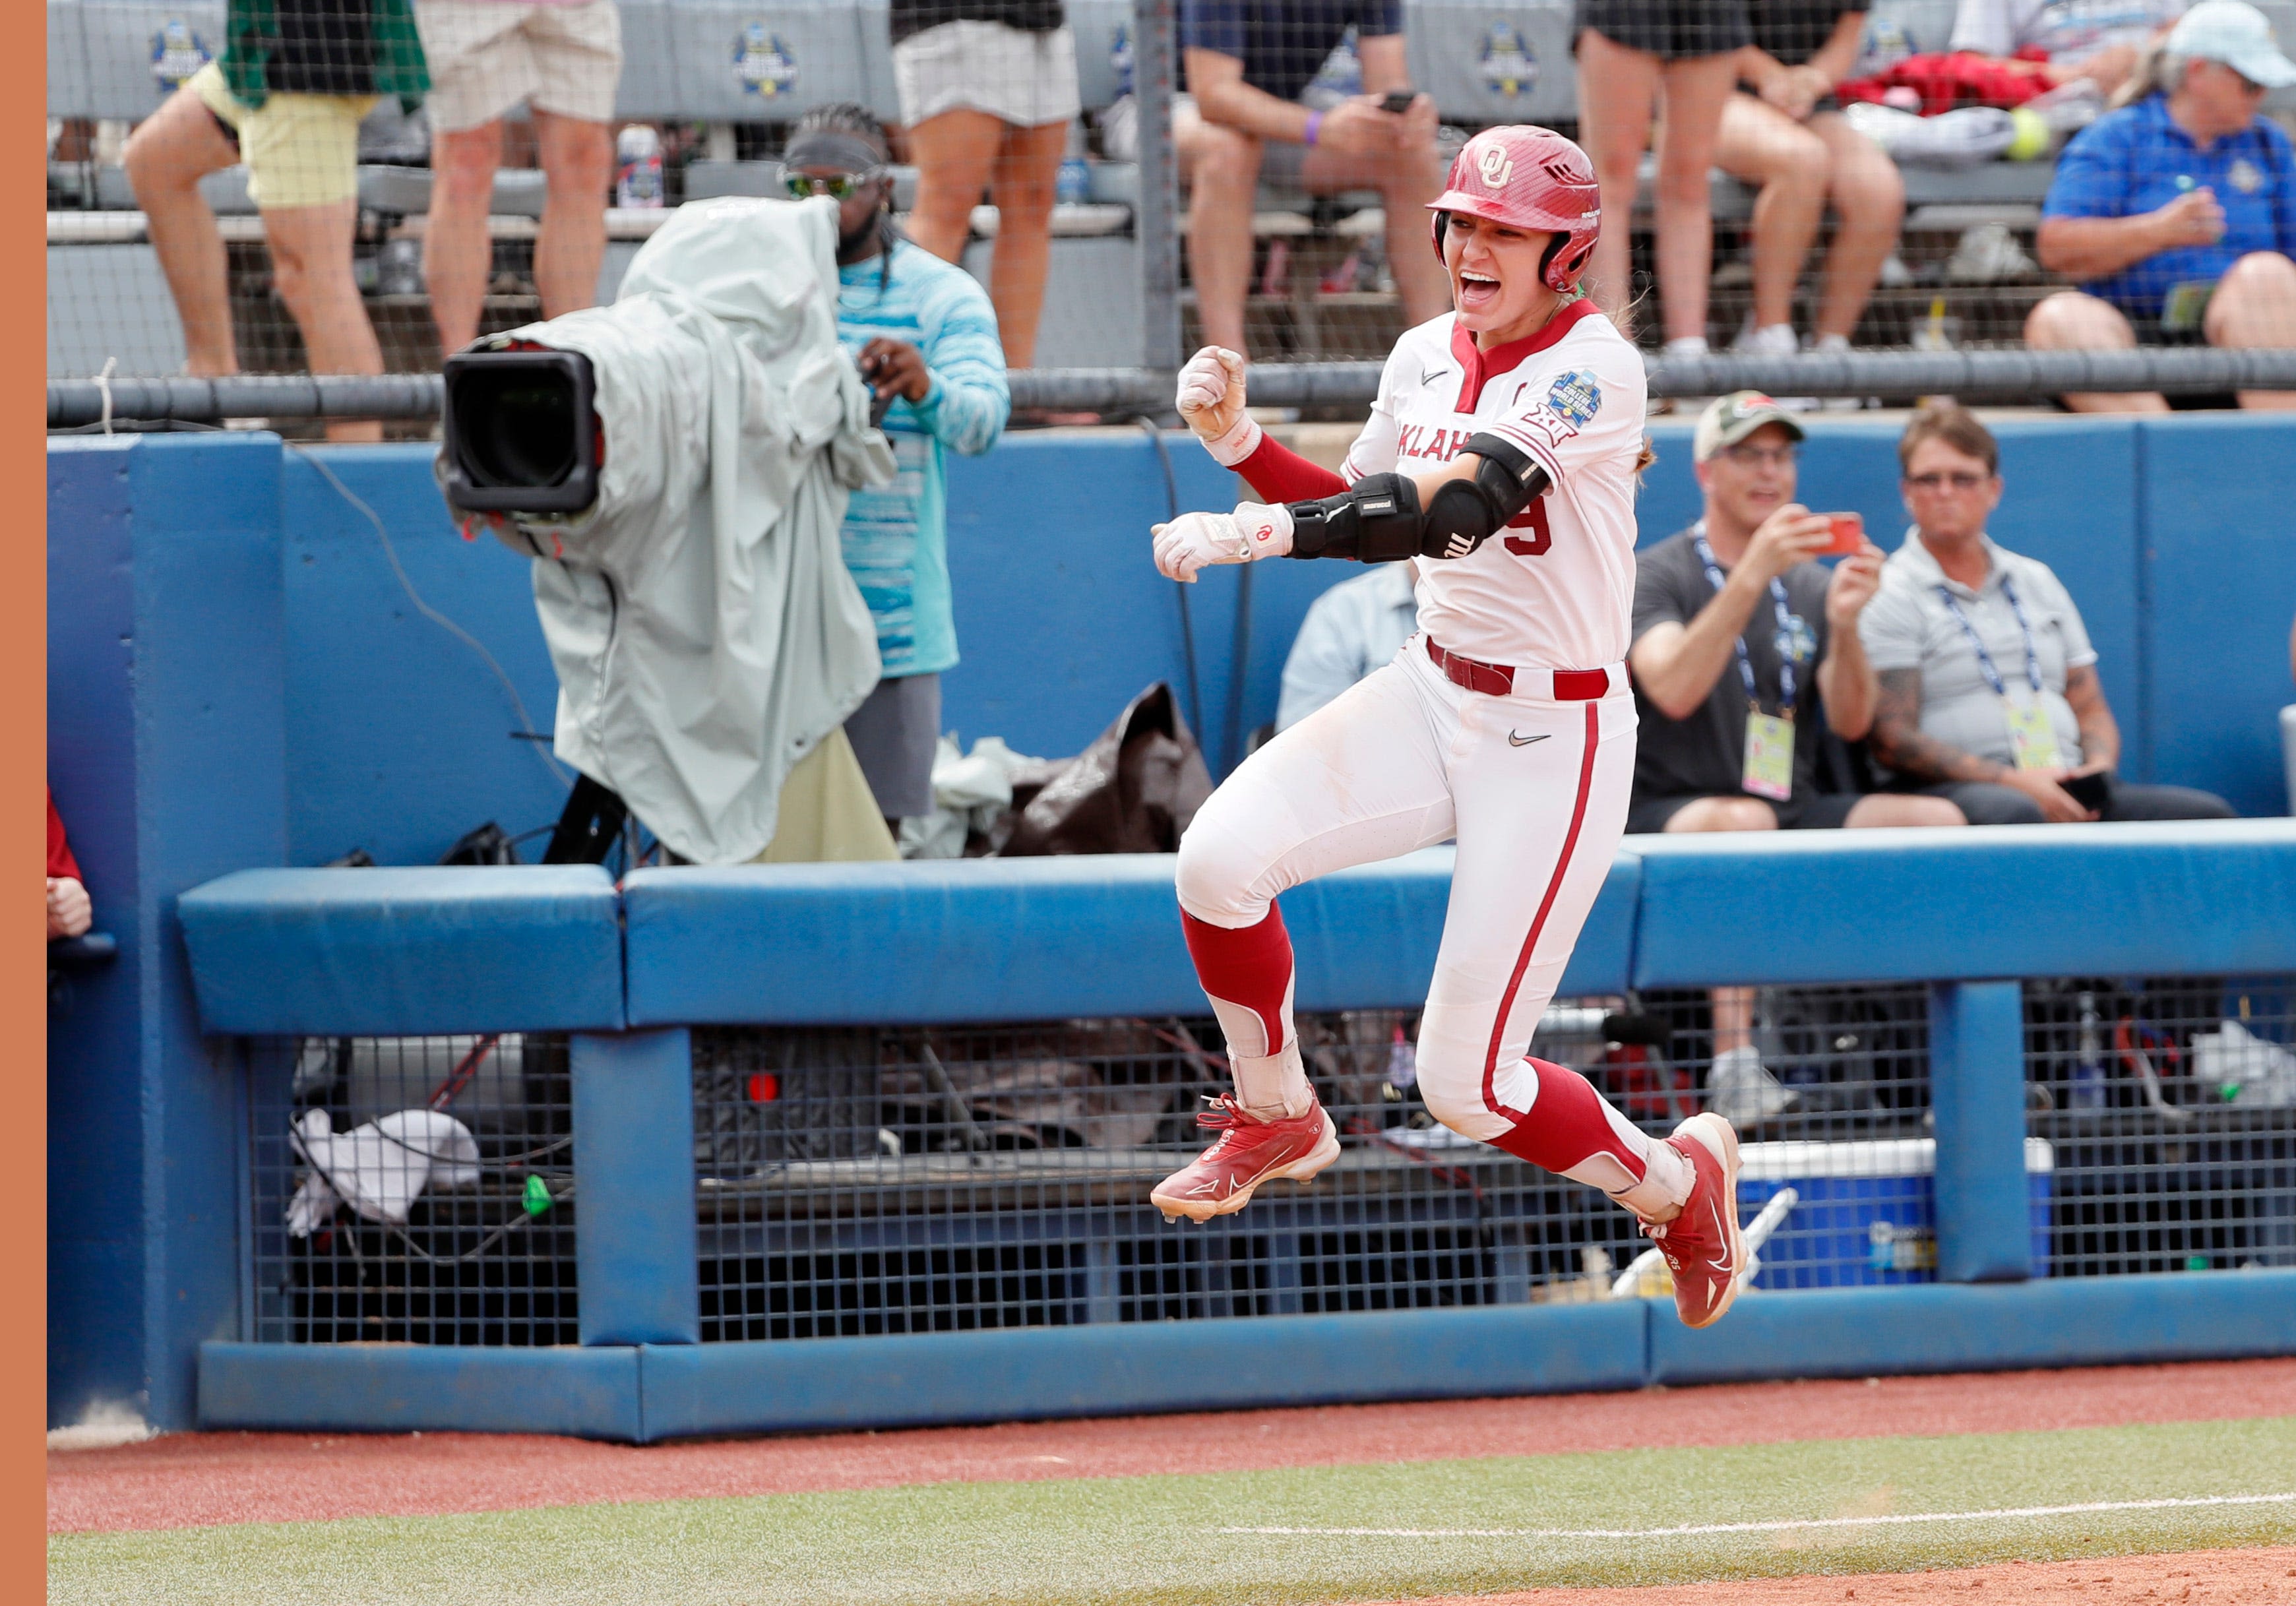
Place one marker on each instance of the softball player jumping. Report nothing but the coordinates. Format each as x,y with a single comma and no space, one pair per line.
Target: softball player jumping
1500,459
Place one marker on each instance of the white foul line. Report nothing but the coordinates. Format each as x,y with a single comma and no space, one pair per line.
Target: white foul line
1769,1527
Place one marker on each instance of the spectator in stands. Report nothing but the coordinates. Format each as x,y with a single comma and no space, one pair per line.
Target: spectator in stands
1246,66
285,97
2058,43
1629,50
2177,211
564,59
1353,629
989,93
1988,693
69,912
1727,739
1789,138
925,335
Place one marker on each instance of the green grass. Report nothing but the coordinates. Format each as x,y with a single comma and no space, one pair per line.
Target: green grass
1160,1540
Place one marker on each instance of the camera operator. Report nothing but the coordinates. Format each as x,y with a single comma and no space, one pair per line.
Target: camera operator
925,336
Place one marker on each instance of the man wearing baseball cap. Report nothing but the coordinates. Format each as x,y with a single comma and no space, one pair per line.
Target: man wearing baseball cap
2177,212
1745,653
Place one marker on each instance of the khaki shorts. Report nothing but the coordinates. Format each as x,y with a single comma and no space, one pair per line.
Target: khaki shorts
300,150
488,56
1024,77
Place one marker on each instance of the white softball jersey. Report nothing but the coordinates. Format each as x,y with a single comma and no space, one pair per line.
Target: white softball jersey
1554,590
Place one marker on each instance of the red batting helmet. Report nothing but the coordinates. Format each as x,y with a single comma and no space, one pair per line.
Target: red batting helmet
1527,178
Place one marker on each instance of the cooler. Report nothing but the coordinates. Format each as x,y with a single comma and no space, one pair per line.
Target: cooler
1867,1210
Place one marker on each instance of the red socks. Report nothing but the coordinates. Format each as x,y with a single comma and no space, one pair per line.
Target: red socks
1249,971
1570,1125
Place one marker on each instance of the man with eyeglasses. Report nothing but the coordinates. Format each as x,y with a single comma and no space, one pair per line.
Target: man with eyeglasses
2176,213
924,335
1988,694
1745,651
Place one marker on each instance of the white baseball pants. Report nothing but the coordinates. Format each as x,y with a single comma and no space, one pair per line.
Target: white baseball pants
1536,792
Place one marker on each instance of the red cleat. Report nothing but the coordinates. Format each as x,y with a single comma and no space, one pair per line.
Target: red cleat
1219,1181
1701,1245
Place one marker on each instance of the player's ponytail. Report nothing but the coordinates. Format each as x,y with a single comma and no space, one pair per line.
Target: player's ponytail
1643,459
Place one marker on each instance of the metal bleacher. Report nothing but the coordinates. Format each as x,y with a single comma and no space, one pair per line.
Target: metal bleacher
725,62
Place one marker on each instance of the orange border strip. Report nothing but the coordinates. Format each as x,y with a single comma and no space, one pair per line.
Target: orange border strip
23,740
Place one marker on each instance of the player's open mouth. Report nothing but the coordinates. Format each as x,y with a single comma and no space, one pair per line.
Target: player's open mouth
1477,291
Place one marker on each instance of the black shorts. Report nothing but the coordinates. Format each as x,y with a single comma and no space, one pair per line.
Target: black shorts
2148,332
1672,30
1804,811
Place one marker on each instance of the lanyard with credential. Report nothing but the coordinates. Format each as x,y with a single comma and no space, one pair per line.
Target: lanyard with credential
1985,664
1785,631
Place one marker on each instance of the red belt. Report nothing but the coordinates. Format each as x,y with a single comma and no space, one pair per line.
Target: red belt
1497,680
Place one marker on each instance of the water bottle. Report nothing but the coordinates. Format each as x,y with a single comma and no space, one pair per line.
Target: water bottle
2088,1064
1402,1061
1073,184
638,150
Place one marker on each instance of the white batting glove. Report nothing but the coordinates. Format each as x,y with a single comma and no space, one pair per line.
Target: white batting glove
1210,402
1195,541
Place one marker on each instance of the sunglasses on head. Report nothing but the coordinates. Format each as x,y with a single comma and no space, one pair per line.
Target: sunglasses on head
843,187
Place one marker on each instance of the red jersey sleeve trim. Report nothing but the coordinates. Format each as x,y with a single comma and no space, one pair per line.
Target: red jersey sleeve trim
1280,474
61,862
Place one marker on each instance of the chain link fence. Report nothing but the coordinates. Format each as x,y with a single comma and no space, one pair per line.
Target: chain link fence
410,1190
855,1182
368,183
2170,1106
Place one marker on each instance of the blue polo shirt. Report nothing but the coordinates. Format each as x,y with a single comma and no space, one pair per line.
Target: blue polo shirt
2137,160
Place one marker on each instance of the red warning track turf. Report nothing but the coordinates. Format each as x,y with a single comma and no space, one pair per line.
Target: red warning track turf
195,1479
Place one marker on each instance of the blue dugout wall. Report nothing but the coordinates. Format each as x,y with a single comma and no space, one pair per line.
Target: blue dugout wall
1037,938
238,680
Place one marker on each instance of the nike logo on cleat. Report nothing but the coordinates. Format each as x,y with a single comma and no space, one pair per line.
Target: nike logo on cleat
1515,740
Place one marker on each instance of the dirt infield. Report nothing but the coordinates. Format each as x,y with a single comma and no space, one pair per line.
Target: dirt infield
196,1479
2205,1577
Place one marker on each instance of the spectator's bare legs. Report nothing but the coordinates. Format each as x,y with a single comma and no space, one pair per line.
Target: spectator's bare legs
1623,84
1695,91
1407,182
1869,200
457,251
2255,305
311,266
1793,167
955,152
167,156
1027,174
1222,169
577,170
963,152
2072,320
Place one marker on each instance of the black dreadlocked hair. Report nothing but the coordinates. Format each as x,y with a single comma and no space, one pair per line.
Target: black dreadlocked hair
853,118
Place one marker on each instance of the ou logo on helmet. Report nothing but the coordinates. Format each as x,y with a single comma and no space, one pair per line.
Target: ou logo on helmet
1495,166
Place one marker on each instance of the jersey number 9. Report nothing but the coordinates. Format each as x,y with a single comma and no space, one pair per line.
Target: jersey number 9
1534,520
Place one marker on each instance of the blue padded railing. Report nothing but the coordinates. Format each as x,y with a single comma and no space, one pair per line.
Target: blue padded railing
1978,914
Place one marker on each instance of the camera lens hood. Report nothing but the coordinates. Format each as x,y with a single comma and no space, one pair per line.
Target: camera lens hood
520,431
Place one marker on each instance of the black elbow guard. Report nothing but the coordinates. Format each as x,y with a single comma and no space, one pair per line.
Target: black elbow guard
1464,514
1374,521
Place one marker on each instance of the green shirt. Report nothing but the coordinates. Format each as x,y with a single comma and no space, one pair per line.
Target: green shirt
323,48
